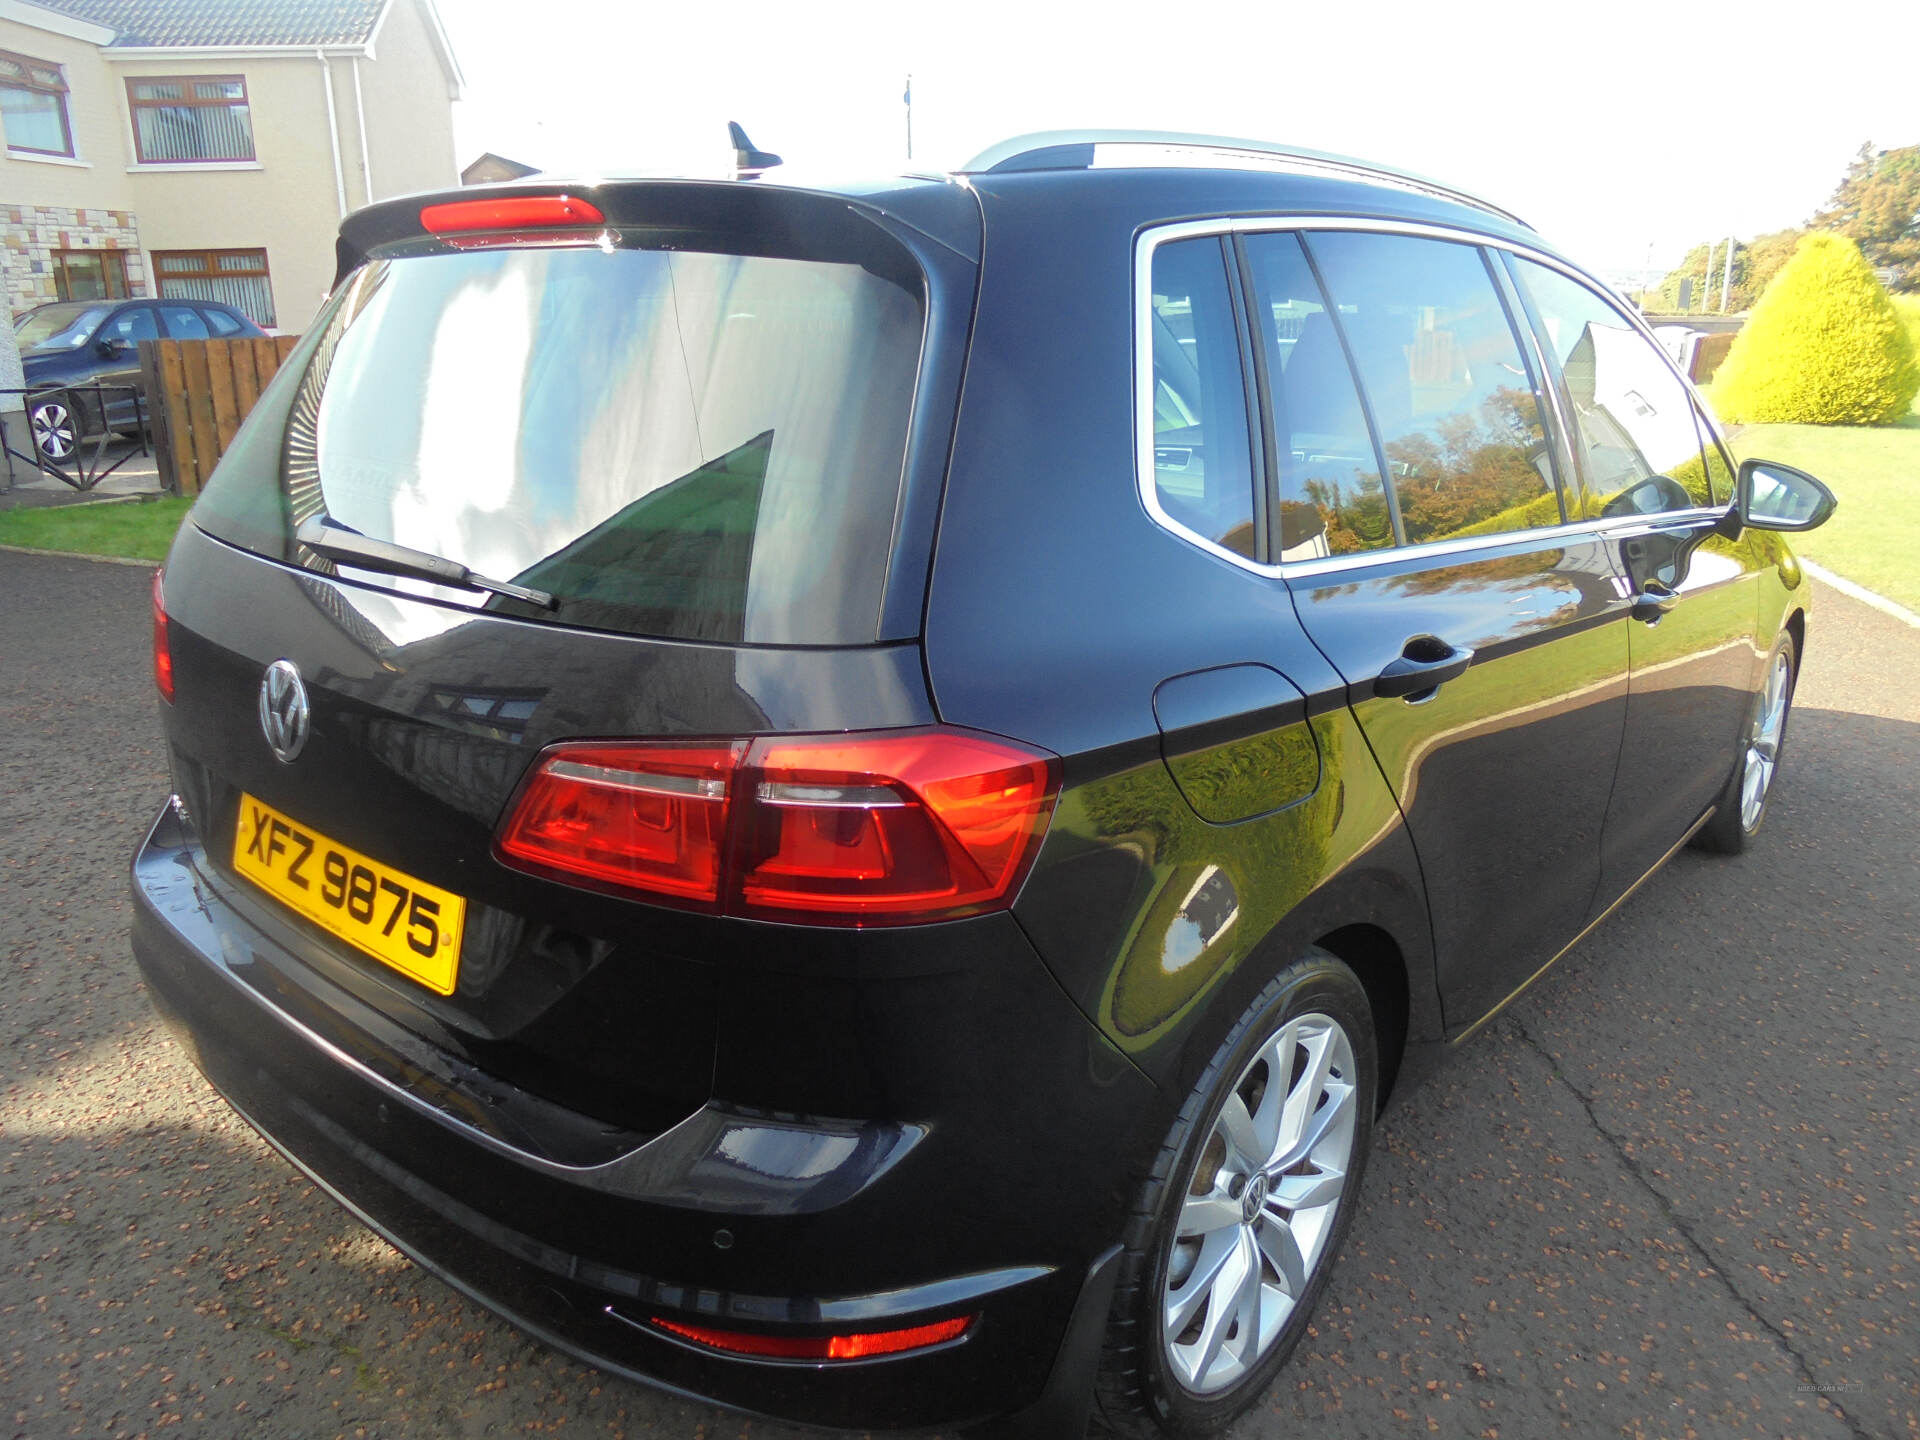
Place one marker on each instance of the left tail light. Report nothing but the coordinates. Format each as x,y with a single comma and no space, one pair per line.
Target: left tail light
162,645
884,828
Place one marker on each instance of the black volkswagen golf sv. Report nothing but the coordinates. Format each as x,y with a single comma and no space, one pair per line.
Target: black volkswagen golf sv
848,801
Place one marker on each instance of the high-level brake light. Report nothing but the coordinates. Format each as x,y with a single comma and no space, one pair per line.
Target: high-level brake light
510,212
882,828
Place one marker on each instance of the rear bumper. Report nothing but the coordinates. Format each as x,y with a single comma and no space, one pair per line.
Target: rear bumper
584,1256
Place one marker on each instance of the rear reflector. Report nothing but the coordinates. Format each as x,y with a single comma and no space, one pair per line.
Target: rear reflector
820,1347
510,212
884,828
162,644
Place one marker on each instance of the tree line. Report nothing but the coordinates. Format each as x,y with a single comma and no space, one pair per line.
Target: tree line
1876,205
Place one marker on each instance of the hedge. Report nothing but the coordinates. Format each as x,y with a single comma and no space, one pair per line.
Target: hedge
1824,346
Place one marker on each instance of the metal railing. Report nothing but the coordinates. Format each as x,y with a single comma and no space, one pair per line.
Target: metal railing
68,432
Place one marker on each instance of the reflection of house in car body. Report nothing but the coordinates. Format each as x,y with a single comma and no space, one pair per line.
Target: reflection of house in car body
207,149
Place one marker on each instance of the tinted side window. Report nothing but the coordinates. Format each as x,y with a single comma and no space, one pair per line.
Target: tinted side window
1202,459
1637,438
1719,468
1459,427
184,322
1331,498
222,323
132,325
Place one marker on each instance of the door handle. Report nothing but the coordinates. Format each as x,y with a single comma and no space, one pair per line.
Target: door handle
1425,663
1653,601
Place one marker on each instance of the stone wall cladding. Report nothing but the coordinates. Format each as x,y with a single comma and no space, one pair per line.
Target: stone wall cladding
29,234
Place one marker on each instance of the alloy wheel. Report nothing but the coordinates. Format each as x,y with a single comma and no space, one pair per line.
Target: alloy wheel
1260,1205
1763,742
54,432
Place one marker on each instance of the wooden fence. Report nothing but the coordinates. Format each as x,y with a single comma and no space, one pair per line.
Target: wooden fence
198,392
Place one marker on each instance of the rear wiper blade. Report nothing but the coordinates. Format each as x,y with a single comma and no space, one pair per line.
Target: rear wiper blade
337,542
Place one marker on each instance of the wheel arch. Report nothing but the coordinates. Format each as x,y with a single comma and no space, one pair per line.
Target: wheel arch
1373,918
1376,957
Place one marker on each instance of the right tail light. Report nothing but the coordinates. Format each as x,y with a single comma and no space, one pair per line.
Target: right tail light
893,827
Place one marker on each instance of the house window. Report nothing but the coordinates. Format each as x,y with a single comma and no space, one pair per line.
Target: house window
227,277
33,106
180,118
90,274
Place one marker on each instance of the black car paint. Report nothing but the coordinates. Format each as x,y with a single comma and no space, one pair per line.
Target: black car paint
992,1084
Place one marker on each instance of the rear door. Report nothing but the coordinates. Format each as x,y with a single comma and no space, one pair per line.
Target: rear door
1657,495
185,322
1483,640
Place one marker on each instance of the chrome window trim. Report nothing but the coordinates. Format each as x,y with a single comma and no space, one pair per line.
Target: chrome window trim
1152,237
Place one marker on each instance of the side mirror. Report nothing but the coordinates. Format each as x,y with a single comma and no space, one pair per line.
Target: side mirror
114,348
1778,497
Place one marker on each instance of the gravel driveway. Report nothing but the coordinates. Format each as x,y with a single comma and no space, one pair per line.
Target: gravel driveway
1672,1191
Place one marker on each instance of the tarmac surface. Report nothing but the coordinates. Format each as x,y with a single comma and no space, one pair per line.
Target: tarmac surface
1672,1191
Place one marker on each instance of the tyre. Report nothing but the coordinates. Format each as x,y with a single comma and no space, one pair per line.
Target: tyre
1250,1199
1742,807
56,429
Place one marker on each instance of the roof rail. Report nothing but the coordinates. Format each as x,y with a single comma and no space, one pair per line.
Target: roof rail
1076,150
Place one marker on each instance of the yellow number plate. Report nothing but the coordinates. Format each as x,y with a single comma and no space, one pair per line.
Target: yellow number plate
400,921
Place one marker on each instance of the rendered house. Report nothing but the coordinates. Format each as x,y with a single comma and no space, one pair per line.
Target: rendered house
208,148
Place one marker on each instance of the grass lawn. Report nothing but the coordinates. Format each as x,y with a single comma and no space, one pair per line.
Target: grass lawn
139,530
1874,537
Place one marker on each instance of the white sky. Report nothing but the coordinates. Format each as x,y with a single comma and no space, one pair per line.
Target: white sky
1611,127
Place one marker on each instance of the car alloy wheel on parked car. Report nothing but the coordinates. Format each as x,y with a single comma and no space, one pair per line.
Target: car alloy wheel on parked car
871,851
56,430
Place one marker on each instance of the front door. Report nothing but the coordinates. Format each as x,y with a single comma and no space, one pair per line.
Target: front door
121,335
1658,493
1483,641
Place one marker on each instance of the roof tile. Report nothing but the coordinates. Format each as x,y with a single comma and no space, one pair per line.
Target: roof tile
227,22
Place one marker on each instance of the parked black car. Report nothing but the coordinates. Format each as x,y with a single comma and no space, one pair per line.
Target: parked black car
97,342
849,802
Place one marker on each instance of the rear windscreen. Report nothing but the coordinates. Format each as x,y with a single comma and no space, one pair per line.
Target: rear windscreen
678,443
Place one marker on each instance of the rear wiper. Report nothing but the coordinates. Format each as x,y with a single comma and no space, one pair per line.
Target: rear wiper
337,542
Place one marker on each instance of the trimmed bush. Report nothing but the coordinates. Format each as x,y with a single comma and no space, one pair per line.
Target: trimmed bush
1907,307
1823,347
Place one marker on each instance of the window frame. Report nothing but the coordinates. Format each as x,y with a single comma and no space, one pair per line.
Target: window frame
29,64
119,264
1259,503
1152,236
190,101
210,270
